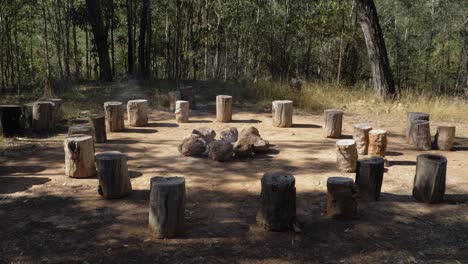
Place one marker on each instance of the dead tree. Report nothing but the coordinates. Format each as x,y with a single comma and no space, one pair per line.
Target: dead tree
167,206
429,181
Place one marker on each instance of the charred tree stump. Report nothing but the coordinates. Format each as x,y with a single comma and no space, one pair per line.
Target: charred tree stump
429,181
79,156
112,171
174,96
224,108
137,112
114,116
341,198
411,117
361,136
11,120
167,206
81,130
182,111
444,137
278,202
377,142
43,119
99,124
282,111
369,177
421,134
346,155
333,121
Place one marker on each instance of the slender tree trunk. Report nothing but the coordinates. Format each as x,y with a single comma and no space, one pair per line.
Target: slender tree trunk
207,16
46,50
377,52
130,44
88,69
112,28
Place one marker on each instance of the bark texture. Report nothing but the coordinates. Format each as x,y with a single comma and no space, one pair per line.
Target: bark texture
224,108
341,198
82,130
333,121
98,122
369,177
282,112
346,155
182,111
361,136
114,112
377,142
411,117
444,137
167,206
137,112
278,202
421,134
112,171
43,119
79,156
429,181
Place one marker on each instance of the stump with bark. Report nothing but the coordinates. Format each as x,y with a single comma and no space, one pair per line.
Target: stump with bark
167,206
11,120
224,108
333,120
79,156
112,171
369,177
43,120
341,198
182,111
411,117
58,110
82,130
444,137
421,135
377,142
137,112
346,155
278,201
429,181
98,122
114,112
282,111
173,97
361,136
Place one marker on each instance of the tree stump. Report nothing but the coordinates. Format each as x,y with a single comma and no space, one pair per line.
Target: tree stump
43,117
173,97
278,202
112,171
429,181
99,124
167,206
82,130
369,177
333,120
11,120
411,117
421,134
28,112
361,136
346,155
114,116
282,113
182,111
58,110
444,137
377,142
137,112
341,200
224,108
79,156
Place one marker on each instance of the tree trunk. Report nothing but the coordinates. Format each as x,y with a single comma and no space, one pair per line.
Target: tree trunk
278,202
361,136
444,137
429,181
11,117
369,177
182,111
376,50
410,118
79,156
346,155
333,120
99,124
114,116
143,54
167,206
137,112
130,47
100,38
421,134
282,113
377,142
112,171
224,108
341,201
43,117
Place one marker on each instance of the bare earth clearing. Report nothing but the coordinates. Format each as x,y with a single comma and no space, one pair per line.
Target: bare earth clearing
46,217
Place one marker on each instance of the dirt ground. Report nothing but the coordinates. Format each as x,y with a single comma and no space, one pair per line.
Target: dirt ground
46,217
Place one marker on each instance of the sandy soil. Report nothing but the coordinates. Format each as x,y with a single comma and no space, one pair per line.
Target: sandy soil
46,217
